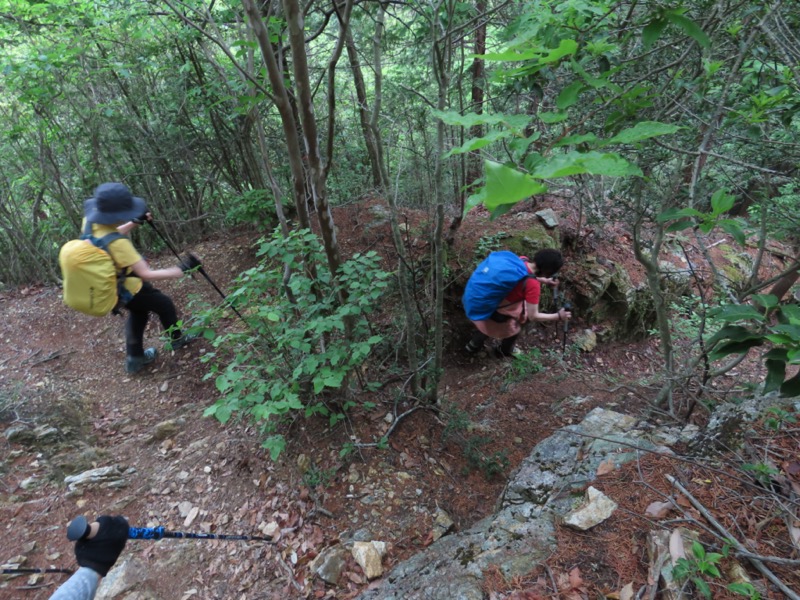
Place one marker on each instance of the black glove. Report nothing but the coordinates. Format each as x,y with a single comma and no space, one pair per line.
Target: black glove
190,262
142,218
101,552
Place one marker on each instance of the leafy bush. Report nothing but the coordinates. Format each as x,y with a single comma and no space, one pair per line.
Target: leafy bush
749,327
293,351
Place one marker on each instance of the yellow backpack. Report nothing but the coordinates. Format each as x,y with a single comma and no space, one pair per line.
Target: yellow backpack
91,283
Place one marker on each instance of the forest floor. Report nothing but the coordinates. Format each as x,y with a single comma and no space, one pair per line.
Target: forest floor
188,473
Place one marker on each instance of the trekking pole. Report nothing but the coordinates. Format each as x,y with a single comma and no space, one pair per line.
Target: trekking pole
566,306
200,270
12,571
80,529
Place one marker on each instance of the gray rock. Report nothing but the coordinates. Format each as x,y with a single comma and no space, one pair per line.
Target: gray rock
522,533
105,477
329,564
123,578
442,524
727,424
597,508
548,217
165,430
20,434
586,340
369,556
45,434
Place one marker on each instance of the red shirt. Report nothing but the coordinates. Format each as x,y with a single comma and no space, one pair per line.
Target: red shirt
530,290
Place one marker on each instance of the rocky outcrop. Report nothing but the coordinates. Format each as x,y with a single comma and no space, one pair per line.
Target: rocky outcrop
522,531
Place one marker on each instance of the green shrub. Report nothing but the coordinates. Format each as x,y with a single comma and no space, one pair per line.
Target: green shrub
292,353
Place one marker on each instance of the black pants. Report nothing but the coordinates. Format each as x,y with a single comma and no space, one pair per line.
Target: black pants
506,346
148,300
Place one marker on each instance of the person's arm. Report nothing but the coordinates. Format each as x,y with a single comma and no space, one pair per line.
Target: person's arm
95,553
126,228
82,585
143,271
535,315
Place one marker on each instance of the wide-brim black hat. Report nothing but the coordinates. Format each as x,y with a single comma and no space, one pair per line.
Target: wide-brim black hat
113,203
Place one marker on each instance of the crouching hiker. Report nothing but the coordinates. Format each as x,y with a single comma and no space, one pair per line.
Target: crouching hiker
503,294
95,557
114,212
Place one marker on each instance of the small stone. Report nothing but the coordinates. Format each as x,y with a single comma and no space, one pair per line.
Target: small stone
164,430
329,564
548,217
597,508
369,555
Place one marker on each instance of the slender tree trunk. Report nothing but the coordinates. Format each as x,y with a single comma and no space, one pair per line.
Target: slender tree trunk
364,114
295,23
474,170
281,96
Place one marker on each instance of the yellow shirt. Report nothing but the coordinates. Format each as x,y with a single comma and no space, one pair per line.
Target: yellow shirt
122,253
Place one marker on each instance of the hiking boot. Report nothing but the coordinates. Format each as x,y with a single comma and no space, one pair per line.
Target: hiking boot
134,364
473,348
515,353
184,340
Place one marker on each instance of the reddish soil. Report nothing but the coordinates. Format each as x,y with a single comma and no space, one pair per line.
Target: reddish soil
63,369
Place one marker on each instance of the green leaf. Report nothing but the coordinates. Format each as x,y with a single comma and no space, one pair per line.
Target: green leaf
702,586
743,589
776,373
678,213
728,348
791,387
480,142
733,229
680,225
565,48
790,312
738,312
698,550
516,122
505,185
550,117
721,202
569,95
689,27
275,444
574,140
642,131
766,300
593,163
652,32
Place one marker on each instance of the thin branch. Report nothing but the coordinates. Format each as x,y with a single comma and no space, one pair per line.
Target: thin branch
757,563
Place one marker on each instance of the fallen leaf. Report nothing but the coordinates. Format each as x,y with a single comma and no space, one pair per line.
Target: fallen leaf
605,467
575,579
626,593
658,510
191,516
676,548
794,533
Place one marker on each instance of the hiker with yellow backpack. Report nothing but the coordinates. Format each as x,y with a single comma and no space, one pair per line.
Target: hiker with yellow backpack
103,272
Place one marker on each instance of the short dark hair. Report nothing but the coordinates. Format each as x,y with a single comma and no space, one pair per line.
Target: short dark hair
548,262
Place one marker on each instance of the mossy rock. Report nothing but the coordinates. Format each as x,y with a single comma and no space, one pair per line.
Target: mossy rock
739,264
529,241
606,296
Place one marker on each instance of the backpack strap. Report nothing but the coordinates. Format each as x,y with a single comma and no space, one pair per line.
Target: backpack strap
123,295
528,276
